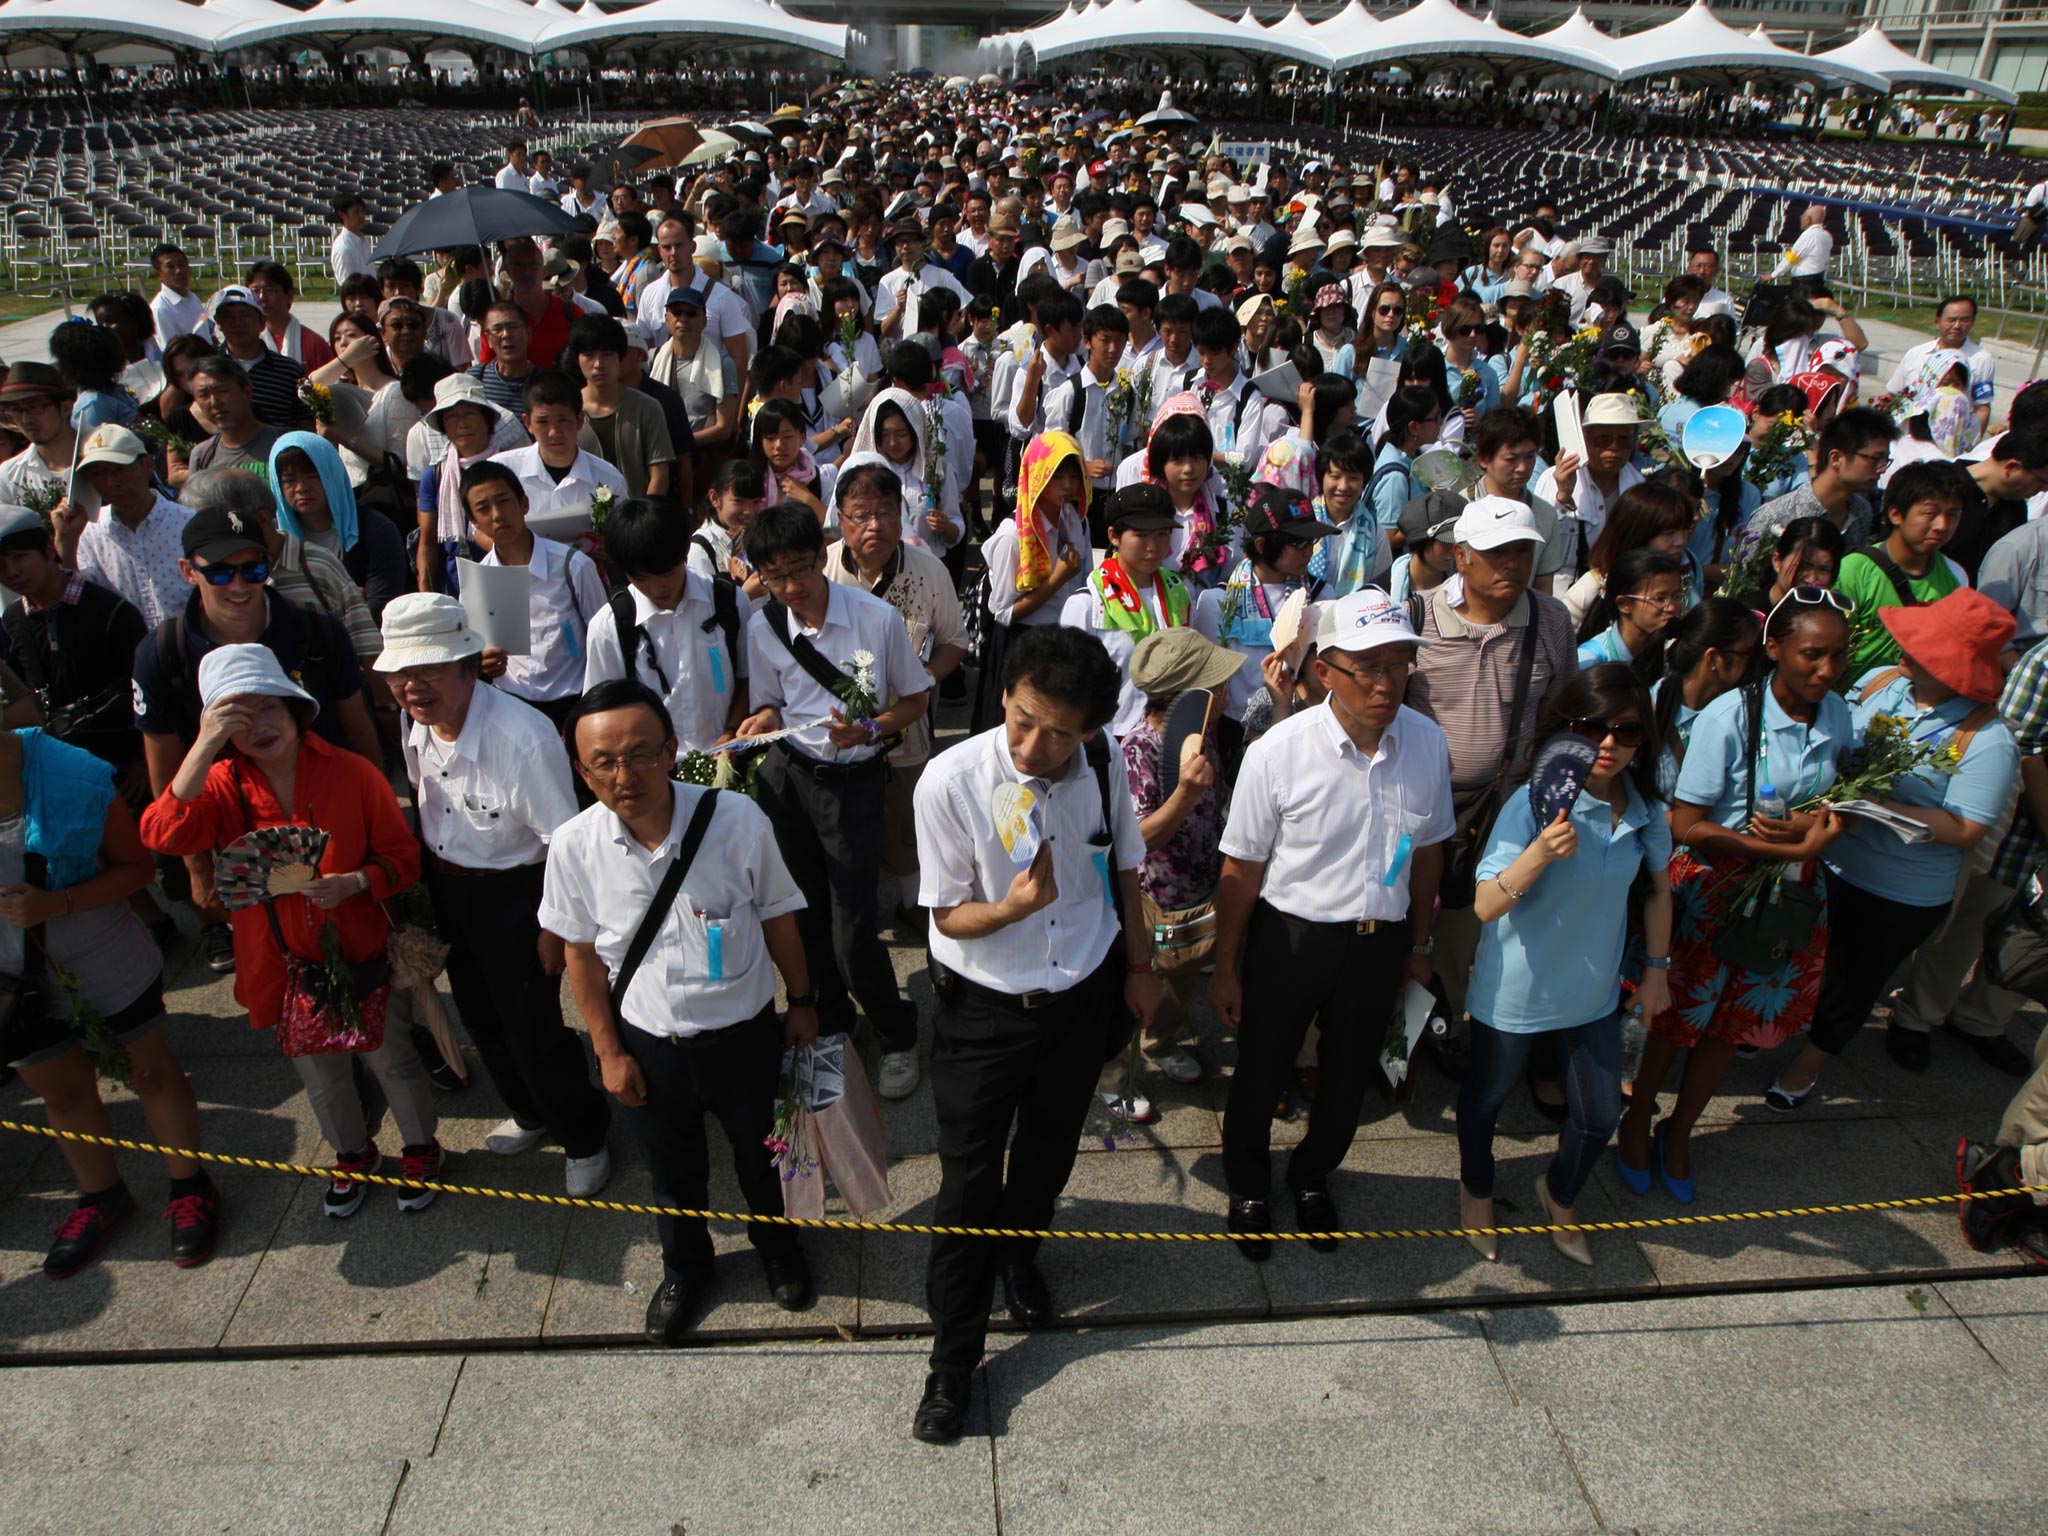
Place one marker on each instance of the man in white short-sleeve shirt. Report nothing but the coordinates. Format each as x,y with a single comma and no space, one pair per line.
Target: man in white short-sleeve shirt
1332,858
1028,847
692,1031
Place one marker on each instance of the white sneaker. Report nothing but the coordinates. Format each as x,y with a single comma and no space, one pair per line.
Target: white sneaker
509,1137
898,1077
1133,1108
587,1175
1178,1066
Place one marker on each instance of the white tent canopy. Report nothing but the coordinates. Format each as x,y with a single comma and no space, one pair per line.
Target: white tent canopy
394,23
722,20
1148,26
1698,42
1873,51
100,27
1437,29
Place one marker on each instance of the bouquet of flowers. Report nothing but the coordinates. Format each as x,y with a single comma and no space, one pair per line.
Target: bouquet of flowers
737,771
1295,298
1212,550
601,501
1560,365
1749,565
1119,407
857,690
1785,438
41,497
101,1043
849,332
318,399
1424,310
157,435
792,1139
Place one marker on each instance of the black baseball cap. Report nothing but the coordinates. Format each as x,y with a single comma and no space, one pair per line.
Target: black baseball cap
1141,508
1620,337
1432,515
1274,509
216,533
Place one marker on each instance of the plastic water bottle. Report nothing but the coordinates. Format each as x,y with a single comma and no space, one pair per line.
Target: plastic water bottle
1770,803
1634,1032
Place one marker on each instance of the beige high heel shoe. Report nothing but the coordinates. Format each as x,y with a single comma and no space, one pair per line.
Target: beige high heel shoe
1475,1212
1572,1245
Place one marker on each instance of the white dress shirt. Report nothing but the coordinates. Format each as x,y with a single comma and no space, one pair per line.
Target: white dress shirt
600,883
1923,367
348,253
1242,420
1054,374
920,282
510,178
139,563
1809,256
1327,821
961,858
178,314
1092,430
492,797
1589,511
700,671
1083,611
999,552
854,621
560,509
564,593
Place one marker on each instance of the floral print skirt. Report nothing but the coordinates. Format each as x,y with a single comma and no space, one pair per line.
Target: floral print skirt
1711,999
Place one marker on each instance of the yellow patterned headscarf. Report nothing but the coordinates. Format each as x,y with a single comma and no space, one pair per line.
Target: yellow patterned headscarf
1036,528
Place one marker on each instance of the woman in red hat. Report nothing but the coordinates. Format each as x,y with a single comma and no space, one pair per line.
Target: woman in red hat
1886,896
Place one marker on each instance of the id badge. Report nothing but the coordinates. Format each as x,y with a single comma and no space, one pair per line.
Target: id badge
717,670
1100,857
1402,849
1253,631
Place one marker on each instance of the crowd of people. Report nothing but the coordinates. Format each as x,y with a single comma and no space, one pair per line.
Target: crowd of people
1348,623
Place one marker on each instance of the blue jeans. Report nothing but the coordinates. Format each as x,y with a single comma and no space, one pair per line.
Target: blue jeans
1592,1090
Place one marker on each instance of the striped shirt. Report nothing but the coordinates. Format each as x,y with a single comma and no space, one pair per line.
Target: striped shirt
274,389
1466,681
2024,706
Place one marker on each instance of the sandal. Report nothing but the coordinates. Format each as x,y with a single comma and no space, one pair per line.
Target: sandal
1784,1100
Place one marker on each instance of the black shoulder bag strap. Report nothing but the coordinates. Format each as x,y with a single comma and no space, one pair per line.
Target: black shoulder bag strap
807,655
1525,670
1894,574
1096,750
664,898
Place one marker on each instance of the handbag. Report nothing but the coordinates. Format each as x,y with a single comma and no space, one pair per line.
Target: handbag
1183,938
2016,947
313,1021
1779,923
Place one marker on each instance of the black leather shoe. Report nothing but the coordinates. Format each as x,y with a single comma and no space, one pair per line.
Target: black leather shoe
195,1226
674,1308
1247,1221
789,1280
942,1411
1315,1211
1025,1293
1999,1052
1451,1053
1981,1169
1907,1047
83,1229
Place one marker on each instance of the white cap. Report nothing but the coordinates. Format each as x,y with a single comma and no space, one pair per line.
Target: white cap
424,629
234,671
1488,522
1364,620
1196,213
1612,410
112,444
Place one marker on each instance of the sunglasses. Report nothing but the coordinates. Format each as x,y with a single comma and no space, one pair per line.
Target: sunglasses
1626,733
1812,597
254,572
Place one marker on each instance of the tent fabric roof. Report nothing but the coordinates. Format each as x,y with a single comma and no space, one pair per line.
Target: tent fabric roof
1698,41
1873,51
1438,29
739,19
98,26
1150,25
413,20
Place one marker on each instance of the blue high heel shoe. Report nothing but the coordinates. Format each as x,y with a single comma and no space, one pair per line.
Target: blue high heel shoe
1681,1190
1635,1180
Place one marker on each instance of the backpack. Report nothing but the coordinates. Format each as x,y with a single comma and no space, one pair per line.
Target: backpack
725,617
174,658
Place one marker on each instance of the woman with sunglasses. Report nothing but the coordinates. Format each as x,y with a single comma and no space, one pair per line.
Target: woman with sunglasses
1473,386
1553,901
1383,330
1784,731
1644,597
1888,896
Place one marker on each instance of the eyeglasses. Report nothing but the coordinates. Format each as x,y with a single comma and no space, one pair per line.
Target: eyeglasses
1470,330
1625,733
787,577
508,328
254,572
1811,597
639,760
1881,457
1669,600
860,517
1394,670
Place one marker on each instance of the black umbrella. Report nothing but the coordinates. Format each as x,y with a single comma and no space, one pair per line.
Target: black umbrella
472,216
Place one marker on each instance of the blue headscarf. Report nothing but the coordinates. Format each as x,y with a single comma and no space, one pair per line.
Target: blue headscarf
341,496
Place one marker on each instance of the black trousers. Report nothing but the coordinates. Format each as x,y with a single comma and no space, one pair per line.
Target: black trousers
731,1074
1869,936
512,1008
999,1067
1297,973
828,824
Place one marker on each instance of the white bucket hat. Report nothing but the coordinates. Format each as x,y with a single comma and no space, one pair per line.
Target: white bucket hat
233,671
424,629
461,389
1612,410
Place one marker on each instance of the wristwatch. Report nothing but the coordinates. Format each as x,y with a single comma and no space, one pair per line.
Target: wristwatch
803,999
1657,962
1426,948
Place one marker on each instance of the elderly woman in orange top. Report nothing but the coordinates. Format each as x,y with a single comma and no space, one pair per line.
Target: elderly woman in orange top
255,764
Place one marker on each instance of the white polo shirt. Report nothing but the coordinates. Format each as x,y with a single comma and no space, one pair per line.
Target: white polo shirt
564,593
1923,367
600,883
854,622
492,797
961,858
560,509
693,669
178,314
1327,821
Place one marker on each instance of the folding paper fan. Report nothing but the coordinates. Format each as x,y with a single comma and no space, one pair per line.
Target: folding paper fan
1184,722
1560,770
267,863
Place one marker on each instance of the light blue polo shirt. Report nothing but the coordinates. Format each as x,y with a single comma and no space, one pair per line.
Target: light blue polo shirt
1924,874
1553,961
1802,759
1681,726
1605,646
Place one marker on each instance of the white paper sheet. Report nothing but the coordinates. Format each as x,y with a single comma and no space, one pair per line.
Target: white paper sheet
1571,436
497,599
1381,375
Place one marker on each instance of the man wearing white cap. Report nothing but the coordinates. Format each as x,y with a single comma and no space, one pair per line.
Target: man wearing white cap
1331,861
134,547
1578,284
1500,650
1583,490
491,783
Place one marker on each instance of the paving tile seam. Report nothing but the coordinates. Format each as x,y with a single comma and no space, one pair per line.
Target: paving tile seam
1493,1353
839,1333
397,1490
1571,1462
228,1324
